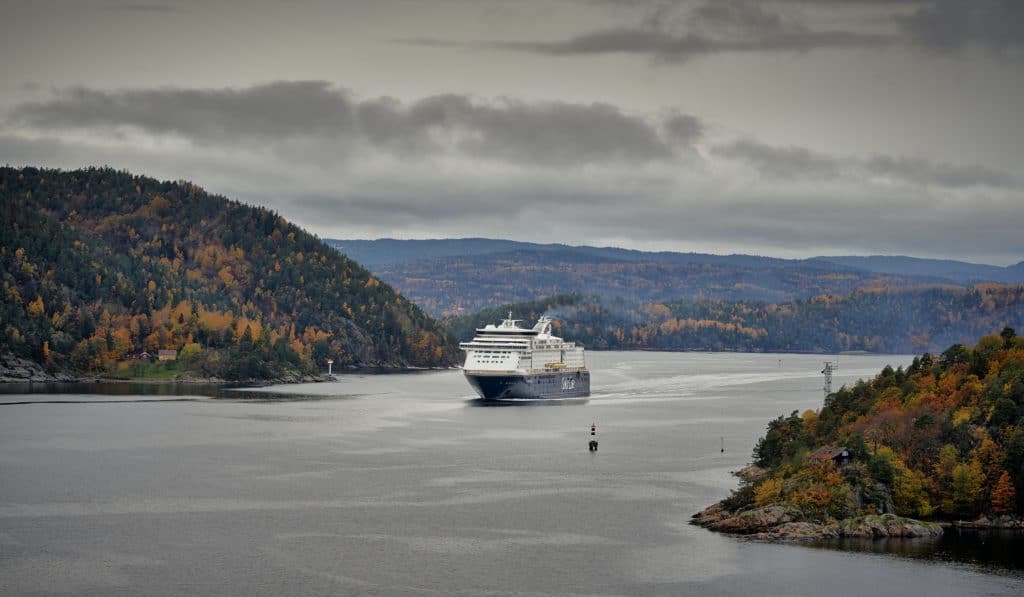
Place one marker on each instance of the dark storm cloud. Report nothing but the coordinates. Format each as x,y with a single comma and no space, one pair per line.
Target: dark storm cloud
794,163
551,133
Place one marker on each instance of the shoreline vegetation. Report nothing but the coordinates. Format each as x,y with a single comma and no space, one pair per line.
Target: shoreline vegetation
876,320
15,370
907,454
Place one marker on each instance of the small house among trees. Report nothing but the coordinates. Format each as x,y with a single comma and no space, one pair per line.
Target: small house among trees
167,354
839,456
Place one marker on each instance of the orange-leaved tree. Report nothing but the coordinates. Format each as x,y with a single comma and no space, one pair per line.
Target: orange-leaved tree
1004,496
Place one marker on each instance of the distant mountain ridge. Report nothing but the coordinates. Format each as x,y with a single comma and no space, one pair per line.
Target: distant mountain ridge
958,271
389,251
451,276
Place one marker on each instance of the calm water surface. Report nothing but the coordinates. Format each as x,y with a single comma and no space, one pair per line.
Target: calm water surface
405,485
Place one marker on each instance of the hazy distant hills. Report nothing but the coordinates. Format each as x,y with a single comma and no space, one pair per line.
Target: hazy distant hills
957,271
465,275
904,320
101,265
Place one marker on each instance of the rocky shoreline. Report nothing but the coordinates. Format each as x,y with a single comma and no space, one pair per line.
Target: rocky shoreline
784,522
15,370
986,523
777,522
19,370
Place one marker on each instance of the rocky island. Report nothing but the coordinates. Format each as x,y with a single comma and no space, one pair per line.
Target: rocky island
784,521
906,454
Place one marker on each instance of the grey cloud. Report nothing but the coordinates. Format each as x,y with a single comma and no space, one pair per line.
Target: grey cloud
796,163
952,25
740,17
923,172
675,32
283,113
683,129
666,47
545,132
781,162
273,110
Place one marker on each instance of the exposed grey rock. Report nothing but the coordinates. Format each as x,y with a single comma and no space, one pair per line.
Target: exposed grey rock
783,522
20,370
711,514
801,530
757,520
995,522
887,525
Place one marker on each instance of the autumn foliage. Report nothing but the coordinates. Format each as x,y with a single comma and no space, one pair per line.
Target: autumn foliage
887,320
943,438
100,265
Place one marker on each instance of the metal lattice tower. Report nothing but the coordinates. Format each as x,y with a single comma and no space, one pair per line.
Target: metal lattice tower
830,366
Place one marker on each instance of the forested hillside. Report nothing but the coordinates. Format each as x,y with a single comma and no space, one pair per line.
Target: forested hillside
880,320
944,438
465,284
101,265
457,276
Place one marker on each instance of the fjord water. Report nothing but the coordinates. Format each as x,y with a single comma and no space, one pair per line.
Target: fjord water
404,484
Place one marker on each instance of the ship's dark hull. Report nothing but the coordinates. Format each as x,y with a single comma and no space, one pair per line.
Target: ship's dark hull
537,386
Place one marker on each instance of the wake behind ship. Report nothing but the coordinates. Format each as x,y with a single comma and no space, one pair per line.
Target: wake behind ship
507,362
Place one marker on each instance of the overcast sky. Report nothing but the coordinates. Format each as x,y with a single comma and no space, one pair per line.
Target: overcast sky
785,128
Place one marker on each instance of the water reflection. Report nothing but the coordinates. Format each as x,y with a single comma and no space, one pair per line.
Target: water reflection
524,402
989,549
116,388
94,393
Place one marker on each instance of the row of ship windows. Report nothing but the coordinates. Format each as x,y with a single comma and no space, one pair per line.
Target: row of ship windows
492,356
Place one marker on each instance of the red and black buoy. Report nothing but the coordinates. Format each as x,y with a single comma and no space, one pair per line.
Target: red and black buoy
593,437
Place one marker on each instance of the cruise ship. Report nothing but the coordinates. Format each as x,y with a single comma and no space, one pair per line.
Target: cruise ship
508,362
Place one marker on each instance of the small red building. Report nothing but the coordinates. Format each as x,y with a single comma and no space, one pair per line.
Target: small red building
838,455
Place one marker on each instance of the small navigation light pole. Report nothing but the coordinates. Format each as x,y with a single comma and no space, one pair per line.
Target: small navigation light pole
593,437
830,366
330,363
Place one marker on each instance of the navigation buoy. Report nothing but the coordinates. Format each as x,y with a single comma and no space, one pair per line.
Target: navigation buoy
593,438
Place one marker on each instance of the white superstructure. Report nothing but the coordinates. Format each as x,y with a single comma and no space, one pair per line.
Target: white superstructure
508,348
